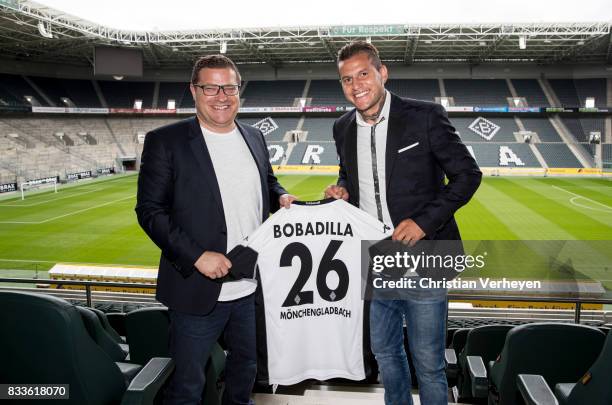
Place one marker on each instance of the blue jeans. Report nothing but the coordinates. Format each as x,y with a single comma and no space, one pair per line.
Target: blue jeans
191,340
425,314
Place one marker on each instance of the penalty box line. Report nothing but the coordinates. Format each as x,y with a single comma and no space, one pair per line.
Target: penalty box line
68,214
583,197
51,200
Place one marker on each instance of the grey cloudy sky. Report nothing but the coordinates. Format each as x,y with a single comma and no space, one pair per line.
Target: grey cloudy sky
202,15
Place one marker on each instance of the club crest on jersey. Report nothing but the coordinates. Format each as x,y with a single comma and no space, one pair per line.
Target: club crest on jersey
312,229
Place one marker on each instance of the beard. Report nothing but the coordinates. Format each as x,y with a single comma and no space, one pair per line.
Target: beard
379,103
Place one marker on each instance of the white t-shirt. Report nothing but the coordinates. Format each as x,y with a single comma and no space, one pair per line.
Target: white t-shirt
309,263
240,188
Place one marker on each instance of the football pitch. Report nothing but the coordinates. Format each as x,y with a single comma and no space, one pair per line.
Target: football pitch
94,221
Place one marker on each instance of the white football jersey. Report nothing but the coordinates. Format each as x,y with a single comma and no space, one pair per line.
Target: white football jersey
310,268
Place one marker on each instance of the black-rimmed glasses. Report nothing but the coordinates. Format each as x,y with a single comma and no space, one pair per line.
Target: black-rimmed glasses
214,89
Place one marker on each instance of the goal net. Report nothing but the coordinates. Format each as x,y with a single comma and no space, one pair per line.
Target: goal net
38,184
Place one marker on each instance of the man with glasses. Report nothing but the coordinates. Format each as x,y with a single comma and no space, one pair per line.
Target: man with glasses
394,155
205,184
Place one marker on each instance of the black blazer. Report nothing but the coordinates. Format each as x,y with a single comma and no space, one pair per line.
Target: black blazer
179,206
415,177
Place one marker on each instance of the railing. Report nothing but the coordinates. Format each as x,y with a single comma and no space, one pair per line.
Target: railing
577,301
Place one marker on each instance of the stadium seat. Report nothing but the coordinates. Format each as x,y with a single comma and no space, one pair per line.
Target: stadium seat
450,332
117,321
147,334
459,339
101,336
593,388
44,341
485,342
558,352
107,326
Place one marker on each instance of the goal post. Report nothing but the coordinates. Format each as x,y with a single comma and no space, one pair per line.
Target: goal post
34,184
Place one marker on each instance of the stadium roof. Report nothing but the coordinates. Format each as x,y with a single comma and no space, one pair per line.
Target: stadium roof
32,32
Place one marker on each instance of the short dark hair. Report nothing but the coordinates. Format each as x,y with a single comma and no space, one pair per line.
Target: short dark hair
213,62
356,47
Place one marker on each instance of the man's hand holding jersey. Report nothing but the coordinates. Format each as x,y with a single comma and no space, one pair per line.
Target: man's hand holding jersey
285,200
337,192
407,231
213,265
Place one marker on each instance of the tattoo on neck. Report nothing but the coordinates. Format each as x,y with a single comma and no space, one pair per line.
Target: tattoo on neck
374,117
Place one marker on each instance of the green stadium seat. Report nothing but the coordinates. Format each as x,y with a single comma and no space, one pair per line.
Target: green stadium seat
44,341
107,326
459,339
450,332
592,388
147,333
117,321
148,337
485,342
101,336
556,351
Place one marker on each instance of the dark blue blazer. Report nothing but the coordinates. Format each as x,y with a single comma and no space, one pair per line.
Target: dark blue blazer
179,207
415,176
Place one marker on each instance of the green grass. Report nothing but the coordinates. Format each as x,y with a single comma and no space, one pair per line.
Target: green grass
94,222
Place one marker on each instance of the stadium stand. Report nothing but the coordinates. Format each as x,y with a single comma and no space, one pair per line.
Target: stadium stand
481,92
541,126
121,94
589,147
593,124
80,92
574,127
607,155
574,92
557,155
582,127
532,91
279,151
314,154
565,91
591,88
504,155
272,93
326,92
13,90
177,91
65,144
419,89
319,128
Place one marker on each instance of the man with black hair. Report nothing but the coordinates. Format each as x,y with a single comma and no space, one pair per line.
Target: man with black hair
394,155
